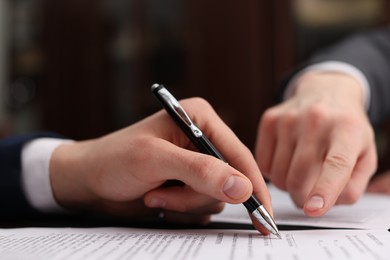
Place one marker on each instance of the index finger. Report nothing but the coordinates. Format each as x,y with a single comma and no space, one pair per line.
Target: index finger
336,171
234,151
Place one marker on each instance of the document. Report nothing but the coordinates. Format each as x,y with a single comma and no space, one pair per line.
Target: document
144,244
370,212
364,235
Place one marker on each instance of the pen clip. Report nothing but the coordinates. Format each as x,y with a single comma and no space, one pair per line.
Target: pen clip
171,101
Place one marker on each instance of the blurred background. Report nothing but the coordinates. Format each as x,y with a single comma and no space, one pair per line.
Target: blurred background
84,68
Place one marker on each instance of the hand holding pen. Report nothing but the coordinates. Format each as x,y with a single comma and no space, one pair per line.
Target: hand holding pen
122,173
257,211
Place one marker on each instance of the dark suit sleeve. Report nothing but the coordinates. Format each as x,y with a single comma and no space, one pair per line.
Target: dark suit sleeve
12,199
369,52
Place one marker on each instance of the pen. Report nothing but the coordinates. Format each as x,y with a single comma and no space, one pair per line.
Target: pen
178,114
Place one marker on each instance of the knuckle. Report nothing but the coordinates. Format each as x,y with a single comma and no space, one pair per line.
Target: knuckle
269,117
200,101
338,161
317,117
200,108
355,131
356,126
351,121
317,112
289,120
242,156
200,105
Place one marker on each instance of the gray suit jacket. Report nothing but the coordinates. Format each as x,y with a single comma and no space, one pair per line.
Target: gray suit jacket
369,52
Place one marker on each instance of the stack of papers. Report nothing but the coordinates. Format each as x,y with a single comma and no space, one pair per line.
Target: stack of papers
363,235
144,244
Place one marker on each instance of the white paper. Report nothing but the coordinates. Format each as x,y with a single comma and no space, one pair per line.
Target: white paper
144,244
370,212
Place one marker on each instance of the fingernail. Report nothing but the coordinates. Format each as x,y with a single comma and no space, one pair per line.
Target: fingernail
315,203
235,187
156,203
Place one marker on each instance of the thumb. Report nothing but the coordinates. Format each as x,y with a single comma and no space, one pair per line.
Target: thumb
208,175
216,179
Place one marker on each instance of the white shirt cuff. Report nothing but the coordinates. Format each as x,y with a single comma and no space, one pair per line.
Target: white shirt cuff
334,66
36,156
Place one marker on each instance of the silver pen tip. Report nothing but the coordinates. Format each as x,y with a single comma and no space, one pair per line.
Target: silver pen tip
262,215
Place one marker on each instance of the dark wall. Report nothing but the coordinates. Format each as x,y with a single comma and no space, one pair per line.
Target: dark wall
99,59
231,53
